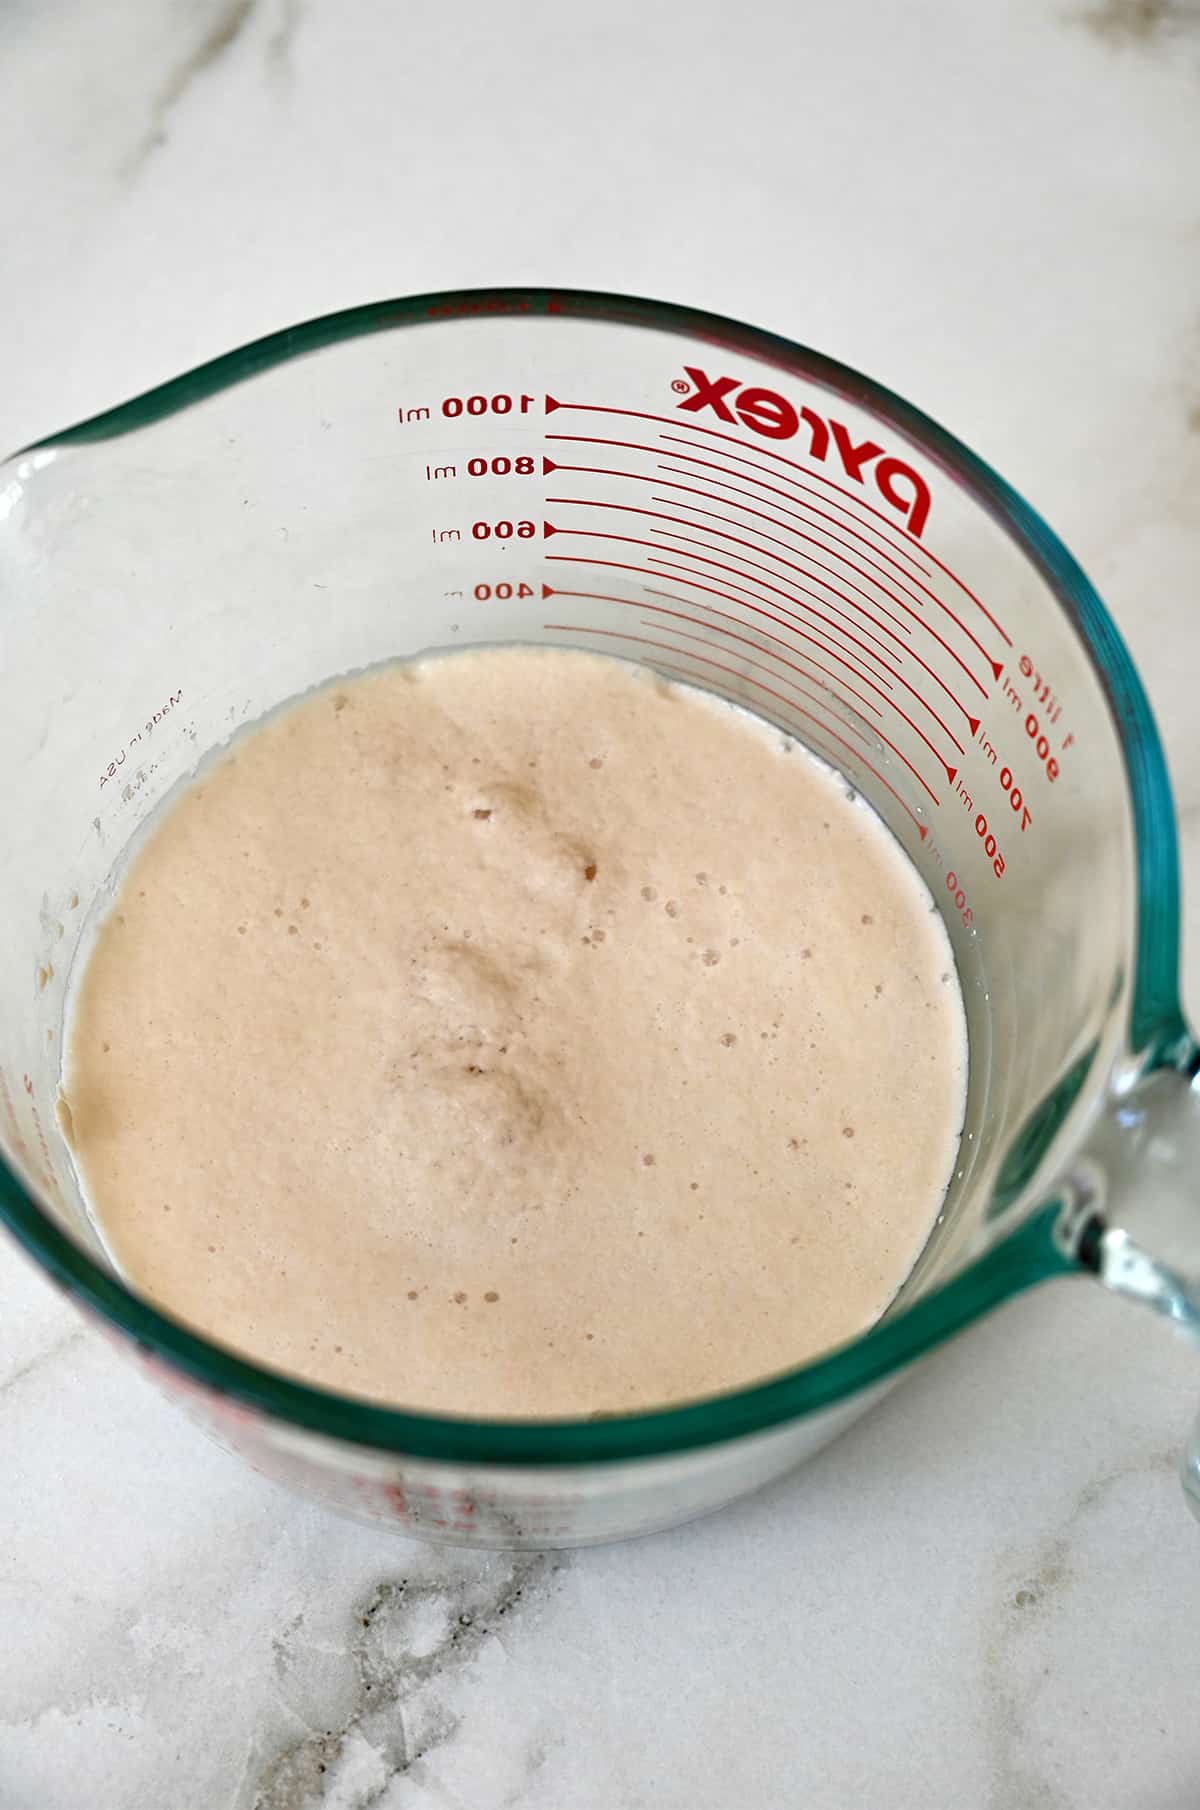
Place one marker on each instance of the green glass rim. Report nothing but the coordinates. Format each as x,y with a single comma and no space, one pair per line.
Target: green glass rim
1029,1252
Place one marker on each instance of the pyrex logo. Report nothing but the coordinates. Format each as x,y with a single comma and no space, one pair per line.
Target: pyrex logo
772,415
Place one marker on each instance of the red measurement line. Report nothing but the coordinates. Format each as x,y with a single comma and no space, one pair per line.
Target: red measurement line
834,653
995,666
855,546
912,568
875,611
700,639
598,408
892,554
871,614
794,515
706,621
797,690
903,714
766,634
574,628
708,559
800,603
689,540
866,677
638,477
760,666
685,672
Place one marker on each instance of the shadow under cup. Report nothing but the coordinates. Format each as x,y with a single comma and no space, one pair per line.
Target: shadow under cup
638,480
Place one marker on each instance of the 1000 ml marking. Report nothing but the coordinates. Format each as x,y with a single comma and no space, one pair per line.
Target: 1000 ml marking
453,406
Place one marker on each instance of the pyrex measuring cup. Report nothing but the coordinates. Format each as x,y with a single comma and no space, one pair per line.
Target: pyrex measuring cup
724,506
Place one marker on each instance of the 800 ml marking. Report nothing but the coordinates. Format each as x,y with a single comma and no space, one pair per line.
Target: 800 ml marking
500,467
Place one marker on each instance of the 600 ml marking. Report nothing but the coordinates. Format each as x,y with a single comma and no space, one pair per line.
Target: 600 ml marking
501,531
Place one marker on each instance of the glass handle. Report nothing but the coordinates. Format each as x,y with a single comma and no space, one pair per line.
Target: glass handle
1131,1200
1131,1210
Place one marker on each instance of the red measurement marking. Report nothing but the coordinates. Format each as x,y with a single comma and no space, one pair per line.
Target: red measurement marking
856,546
802,634
646,641
692,674
706,621
838,540
893,555
642,478
656,514
634,540
951,772
766,635
947,768
666,646
759,666
748,446
707,559
875,610
997,666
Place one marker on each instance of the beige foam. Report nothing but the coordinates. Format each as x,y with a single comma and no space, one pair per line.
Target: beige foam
517,1034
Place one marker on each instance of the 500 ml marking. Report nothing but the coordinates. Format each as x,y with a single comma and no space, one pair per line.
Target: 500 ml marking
983,829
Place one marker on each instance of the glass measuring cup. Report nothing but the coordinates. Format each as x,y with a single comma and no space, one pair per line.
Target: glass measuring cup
722,505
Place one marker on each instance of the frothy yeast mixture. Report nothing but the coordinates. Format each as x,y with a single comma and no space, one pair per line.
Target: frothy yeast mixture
515,1033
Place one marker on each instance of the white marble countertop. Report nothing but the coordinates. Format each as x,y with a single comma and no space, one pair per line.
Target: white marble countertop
988,1594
